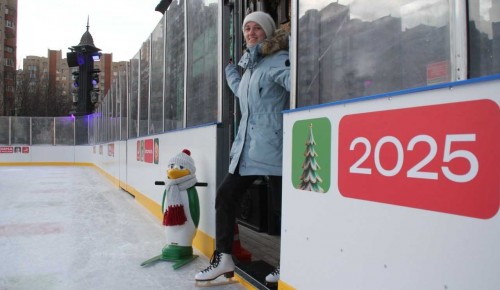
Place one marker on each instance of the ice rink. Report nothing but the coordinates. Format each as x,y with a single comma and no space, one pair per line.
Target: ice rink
66,227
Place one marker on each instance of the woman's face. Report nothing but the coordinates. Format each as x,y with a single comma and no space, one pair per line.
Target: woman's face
253,33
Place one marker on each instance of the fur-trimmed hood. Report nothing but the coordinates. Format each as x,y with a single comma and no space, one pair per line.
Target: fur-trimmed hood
279,41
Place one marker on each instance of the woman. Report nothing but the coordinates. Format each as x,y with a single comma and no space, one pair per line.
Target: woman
263,93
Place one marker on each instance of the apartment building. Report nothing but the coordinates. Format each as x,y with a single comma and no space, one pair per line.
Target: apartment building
8,45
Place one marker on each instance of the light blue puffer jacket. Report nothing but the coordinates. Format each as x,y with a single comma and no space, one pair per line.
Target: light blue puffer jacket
263,93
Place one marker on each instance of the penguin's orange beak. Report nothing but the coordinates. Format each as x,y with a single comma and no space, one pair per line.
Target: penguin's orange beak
175,173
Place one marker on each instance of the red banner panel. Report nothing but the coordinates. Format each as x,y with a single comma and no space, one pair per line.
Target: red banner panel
441,158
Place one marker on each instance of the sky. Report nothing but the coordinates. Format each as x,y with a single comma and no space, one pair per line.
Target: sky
117,26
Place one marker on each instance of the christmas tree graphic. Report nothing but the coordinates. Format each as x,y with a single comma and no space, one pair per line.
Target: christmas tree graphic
310,179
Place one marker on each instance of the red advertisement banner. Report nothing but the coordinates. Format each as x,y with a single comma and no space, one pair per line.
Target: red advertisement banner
148,150
6,149
442,158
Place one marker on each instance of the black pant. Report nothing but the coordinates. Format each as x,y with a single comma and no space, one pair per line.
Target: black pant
227,201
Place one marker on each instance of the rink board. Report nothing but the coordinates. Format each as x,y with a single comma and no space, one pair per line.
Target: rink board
410,187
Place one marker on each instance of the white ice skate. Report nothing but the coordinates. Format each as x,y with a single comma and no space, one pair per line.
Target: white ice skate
274,276
220,264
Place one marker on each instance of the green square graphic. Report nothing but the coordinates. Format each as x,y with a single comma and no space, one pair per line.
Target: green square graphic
311,154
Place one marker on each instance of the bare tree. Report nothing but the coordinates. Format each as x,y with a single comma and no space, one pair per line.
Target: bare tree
34,97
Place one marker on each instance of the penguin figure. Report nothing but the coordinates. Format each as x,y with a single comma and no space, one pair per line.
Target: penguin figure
181,211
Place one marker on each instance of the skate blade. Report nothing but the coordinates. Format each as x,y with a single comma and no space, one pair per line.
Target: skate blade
219,281
271,284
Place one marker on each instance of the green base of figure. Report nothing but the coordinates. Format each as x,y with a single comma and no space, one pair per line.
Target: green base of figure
172,253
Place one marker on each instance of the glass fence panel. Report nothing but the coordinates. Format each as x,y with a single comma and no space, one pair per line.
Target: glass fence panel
122,85
202,62
43,131
65,132
353,48
83,130
157,76
4,131
174,66
144,89
133,129
484,37
20,131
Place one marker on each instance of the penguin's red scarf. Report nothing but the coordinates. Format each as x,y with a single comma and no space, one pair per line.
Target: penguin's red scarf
174,214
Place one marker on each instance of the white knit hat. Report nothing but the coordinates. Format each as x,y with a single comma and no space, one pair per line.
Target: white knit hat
264,20
184,159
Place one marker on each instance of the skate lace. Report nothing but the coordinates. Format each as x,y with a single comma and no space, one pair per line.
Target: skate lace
214,261
276,271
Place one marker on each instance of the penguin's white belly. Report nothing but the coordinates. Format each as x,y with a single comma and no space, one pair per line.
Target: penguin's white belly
182,235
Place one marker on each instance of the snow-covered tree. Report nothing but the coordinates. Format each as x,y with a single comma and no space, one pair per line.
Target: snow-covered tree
310,179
